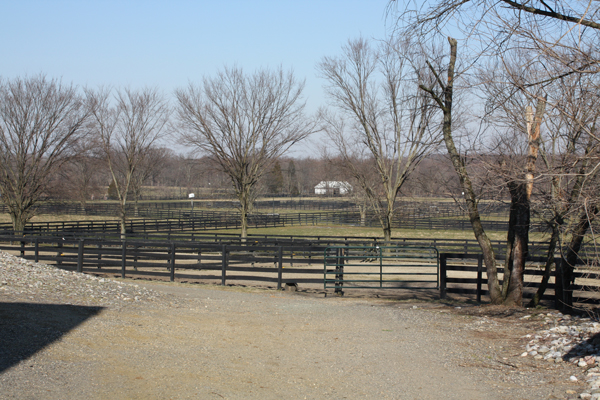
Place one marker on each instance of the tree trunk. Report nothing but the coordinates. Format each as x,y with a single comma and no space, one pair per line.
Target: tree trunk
123,221
363,215
19,221
489,256
572,257
556,223
244,208
123,215
465,182
550,262
387,234
244,223
517,245
387,227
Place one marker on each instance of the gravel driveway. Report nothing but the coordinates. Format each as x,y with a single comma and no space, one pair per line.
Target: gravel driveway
132,340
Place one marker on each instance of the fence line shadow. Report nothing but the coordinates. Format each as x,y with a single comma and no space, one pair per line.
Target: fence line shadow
26,328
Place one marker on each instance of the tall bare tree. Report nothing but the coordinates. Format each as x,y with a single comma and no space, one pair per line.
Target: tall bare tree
244,122
129,125
442,91
383,123
570,155
560,38
84,177
560,30
516,131
41,121
154,160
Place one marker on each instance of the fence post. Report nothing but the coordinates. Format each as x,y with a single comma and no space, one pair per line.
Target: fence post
99,246
443,258
37,250
172,262
224,265
59,245
279,267
479,276
123,257
80,256
135,256
558,283
339,272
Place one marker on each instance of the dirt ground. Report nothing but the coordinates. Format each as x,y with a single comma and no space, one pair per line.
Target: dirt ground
209,342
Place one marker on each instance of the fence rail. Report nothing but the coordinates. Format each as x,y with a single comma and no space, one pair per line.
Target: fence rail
174,221
174,260
411,209
380,267
469,246
274,261
465,274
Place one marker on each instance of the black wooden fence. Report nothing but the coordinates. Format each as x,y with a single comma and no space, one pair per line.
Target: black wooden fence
466,246
173,221
465,274
175,260
276,260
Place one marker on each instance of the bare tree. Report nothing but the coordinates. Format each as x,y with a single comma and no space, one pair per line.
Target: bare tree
41,121
515,145
151,164
442,91
560,41
559,36
244,122
558,31
383,129
84,177
128,131
292,180
570,155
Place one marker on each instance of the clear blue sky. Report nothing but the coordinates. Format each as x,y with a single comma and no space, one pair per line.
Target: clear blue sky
166,44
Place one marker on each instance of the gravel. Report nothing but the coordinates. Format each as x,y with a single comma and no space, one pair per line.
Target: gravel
572,339
26,280
122,339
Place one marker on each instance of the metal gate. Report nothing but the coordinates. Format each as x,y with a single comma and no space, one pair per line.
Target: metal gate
375,267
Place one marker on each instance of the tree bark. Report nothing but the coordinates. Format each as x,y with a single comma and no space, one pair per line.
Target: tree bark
18,220
520,214
244,198
517,245
387,228
572,258
445,104
550,263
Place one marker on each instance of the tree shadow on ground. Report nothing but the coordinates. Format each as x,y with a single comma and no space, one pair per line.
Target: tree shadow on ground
26,328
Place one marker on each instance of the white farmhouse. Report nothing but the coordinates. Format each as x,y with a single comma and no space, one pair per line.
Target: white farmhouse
333,188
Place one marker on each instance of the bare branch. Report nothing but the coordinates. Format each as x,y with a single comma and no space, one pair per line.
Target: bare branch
244,122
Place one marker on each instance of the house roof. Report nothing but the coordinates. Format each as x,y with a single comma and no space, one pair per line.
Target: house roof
333,184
